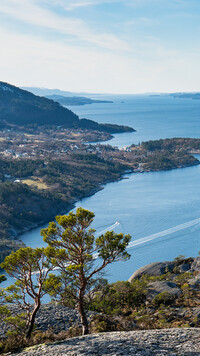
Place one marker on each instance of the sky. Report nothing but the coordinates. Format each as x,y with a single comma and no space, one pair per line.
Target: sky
101,46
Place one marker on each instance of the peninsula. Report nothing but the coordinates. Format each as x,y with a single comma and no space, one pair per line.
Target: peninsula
75,100
45,171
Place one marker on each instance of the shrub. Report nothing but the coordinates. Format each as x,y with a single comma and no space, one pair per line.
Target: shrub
162,298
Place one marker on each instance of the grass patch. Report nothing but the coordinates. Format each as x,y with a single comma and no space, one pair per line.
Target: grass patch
36,182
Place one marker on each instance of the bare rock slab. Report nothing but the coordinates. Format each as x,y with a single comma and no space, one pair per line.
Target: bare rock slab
163,342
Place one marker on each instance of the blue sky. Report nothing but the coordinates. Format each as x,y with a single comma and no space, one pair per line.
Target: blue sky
116,46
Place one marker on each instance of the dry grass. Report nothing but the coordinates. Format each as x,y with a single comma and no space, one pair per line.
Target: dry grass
29,135
36,182
76,134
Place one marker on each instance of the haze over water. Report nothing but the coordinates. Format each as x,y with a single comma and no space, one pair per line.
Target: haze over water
147,203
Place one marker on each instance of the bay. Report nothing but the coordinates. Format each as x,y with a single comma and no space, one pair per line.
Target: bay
146,203
153,117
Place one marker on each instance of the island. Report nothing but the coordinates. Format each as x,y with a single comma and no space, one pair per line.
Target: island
194,96
75,100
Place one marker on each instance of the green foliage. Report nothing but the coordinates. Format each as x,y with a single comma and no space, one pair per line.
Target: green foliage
25,260
30,268
119,298
72,246
179,258
22,205
4,311
182,278
103,323
16,103
186,291
164,298
21,107
169,160
18,325
172,144
171,153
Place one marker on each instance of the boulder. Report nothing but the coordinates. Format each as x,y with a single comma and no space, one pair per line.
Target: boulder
196,264
196,313
195,282
185,267
157,287
153,269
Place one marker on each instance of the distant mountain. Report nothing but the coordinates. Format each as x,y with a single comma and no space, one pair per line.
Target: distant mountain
22,108
75,100
47,92
195,96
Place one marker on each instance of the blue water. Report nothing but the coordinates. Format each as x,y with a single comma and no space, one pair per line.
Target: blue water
152,117
147,203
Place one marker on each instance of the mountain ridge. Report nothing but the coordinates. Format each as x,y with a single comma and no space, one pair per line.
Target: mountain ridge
22,108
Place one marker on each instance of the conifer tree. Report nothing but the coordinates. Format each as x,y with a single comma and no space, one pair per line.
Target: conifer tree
30,268
80,256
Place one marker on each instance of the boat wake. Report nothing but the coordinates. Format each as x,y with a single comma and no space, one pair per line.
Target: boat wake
172,230
145,239
110,228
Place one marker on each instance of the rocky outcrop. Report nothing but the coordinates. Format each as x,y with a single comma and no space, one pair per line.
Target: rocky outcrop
52,317
169,342
160,268
163,287
153,269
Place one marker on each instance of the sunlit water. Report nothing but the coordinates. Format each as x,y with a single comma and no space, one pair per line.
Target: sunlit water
149,203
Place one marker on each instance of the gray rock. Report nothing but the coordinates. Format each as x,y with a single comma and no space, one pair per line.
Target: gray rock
185,267
169,342
196,313
195,266
153,269
56,317
157,287
194,282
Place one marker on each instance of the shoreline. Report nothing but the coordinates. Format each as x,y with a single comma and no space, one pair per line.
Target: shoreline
90,194
71,206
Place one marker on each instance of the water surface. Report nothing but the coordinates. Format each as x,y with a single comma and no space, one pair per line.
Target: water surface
146,203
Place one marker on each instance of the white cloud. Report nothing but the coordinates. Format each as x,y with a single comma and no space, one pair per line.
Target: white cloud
26,60
29,12
142,21
73,4
76,4
89,61
30,61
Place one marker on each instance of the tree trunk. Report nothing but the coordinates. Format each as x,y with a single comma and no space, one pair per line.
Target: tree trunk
32,320
84,321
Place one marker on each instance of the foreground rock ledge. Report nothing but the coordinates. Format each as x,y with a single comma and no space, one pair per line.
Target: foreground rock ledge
172,342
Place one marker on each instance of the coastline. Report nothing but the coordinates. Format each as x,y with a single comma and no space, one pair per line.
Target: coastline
89,194
69,208
148,164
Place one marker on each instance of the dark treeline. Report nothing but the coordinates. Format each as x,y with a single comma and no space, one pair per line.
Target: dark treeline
172,144
22,108
22,206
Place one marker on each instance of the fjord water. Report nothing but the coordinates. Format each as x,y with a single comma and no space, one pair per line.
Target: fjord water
147,203
153,117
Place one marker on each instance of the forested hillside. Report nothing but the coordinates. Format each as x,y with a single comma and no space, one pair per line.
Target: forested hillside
22,108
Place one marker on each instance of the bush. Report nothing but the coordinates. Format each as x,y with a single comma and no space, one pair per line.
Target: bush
103,323
119,298
162,298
